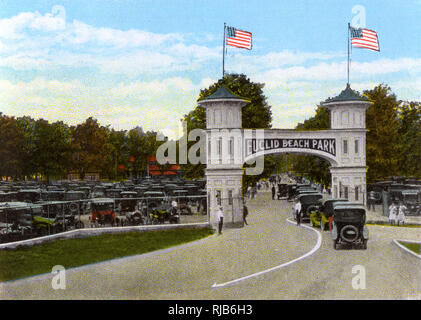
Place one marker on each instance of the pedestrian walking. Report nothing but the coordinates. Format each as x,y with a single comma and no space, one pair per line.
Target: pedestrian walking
401,213
220,218
393,213
371,200
245,214
273,192
297,210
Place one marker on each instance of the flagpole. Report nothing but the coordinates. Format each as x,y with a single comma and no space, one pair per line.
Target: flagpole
223,54
348,51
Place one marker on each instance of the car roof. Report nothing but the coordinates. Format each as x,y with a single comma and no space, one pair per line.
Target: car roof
14,204
102,200
410,192
309,194
50,202
335,200
349,206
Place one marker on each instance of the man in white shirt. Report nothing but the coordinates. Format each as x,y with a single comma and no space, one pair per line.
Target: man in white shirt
174,207
220,219
297,210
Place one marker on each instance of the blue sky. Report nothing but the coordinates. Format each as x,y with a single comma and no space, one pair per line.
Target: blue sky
130,63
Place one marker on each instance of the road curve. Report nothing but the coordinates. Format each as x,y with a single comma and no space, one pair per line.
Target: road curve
267,242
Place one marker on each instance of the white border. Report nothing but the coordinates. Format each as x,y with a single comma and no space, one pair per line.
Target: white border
396,241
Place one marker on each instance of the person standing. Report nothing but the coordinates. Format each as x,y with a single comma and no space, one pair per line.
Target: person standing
248,193
220,218
297,209
401,213
273,192
245,214
392,213
371,200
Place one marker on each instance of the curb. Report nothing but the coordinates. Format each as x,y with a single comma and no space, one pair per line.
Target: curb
384,222
88,232
396,242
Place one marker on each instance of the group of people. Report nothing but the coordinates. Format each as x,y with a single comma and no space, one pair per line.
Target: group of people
397,213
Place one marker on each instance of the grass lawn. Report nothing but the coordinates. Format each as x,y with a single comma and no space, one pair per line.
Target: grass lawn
28,261
415,247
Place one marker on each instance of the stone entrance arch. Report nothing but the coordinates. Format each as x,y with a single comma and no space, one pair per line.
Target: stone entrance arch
229,146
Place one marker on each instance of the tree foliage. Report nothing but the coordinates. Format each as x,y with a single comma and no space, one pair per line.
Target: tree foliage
313,167
255,115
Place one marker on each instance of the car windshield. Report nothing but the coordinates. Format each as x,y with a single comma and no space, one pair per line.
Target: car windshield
102,206
310,198
74,196
411,198
350,214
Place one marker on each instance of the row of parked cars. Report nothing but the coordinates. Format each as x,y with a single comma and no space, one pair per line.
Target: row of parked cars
32,209
345,219
407,191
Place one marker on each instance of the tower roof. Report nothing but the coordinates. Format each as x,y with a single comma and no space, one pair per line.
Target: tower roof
347,95
222,93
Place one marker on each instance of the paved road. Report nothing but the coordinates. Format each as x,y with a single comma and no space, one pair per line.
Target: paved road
190,271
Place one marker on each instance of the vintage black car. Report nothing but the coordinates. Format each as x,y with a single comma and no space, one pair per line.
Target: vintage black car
55,217
77,203
282,190
309,202
326,210
348,226
15,221
29,195
11,196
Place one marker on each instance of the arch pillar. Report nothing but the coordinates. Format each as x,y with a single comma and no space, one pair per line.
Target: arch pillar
228,145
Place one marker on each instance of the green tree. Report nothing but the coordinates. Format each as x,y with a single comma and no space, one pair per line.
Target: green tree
51,149
314,168
256,115
409,133
27,126
116,162
89,147
12,148
382,145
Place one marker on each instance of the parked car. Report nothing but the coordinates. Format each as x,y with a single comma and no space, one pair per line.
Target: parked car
55,217
29,195
309,202
103,212
322,217
412,200
348,226
77,203
282,190
15,221
182,201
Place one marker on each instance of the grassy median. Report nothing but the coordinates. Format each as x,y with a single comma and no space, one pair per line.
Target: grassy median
415,247
29,261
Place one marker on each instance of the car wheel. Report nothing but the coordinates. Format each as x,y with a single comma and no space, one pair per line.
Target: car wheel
336,245
365,244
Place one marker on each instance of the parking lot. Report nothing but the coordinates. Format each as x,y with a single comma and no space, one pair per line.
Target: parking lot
190,271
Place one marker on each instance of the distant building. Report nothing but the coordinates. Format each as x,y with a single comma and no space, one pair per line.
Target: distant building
154,169
90,176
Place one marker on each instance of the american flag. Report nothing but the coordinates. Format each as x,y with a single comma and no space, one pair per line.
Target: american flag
364,38
238,38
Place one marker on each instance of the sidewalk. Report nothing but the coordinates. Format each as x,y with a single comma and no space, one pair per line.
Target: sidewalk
378,217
